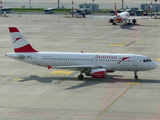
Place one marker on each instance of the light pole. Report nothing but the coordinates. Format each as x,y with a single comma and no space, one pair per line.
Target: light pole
1,8
122,4
93,1
58,3
151,8
29,3
72,7
156,6
155,1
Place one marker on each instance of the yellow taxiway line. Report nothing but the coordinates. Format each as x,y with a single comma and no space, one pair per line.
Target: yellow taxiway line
116,44
133,83
158,59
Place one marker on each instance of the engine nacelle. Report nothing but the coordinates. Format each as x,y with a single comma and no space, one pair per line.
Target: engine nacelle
134,20
111,20
110,71
98,73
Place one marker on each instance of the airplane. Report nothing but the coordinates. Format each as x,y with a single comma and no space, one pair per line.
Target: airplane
120,17
96,65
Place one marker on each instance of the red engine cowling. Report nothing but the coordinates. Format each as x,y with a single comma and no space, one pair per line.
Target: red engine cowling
98,73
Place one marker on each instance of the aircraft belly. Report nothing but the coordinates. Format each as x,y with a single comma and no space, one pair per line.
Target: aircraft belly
124,67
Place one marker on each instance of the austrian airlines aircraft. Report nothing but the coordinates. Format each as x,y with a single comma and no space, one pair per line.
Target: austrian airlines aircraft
91,64
120,17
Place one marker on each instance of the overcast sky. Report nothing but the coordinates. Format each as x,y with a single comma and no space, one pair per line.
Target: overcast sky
103,4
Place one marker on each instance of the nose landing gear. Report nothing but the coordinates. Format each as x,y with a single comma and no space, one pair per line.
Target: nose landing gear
80,77
135,75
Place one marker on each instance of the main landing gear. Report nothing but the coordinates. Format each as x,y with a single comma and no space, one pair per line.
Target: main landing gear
114,23
129,23
135,75
80,77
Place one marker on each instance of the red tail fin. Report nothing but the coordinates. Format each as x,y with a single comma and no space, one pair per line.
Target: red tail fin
115,9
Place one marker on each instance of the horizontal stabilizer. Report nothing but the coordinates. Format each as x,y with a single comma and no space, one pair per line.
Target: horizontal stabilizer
13,55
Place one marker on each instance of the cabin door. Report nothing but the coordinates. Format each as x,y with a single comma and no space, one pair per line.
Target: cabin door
135,61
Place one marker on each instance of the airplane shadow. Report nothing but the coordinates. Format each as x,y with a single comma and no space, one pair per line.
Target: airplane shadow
88,81
39,79
103,25
122,26
114,80
50,79
129,27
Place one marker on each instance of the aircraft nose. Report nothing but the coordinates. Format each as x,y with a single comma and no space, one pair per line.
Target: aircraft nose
154,65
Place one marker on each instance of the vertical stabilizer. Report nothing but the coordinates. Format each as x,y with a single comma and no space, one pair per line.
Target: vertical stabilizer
115,9
20,44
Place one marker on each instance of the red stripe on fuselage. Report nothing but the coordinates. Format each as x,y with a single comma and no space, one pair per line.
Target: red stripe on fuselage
13,29
26,48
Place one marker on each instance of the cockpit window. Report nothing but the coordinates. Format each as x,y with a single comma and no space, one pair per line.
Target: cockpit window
147,60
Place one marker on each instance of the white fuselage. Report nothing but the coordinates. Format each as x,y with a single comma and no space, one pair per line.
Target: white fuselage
121,17
111,62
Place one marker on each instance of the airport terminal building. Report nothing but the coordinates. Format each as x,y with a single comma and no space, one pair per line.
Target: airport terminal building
92,7
146,7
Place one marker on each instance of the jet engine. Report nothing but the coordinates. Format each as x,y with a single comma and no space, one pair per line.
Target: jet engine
134,20
98,73
111,20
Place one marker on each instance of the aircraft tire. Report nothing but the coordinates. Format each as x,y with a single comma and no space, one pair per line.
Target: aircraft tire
136,77
80,77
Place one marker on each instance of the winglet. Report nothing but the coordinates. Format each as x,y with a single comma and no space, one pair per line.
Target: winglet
20,44
82,52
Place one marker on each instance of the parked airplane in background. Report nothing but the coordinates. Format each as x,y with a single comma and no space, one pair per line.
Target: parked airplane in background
91,64
120,17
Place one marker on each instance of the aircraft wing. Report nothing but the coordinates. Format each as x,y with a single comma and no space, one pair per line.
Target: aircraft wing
104,17
79,67
136,17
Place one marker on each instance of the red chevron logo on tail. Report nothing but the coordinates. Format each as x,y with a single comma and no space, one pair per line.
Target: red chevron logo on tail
16,39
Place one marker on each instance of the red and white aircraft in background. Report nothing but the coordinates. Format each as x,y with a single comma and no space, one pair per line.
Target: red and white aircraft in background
91,64
120,17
